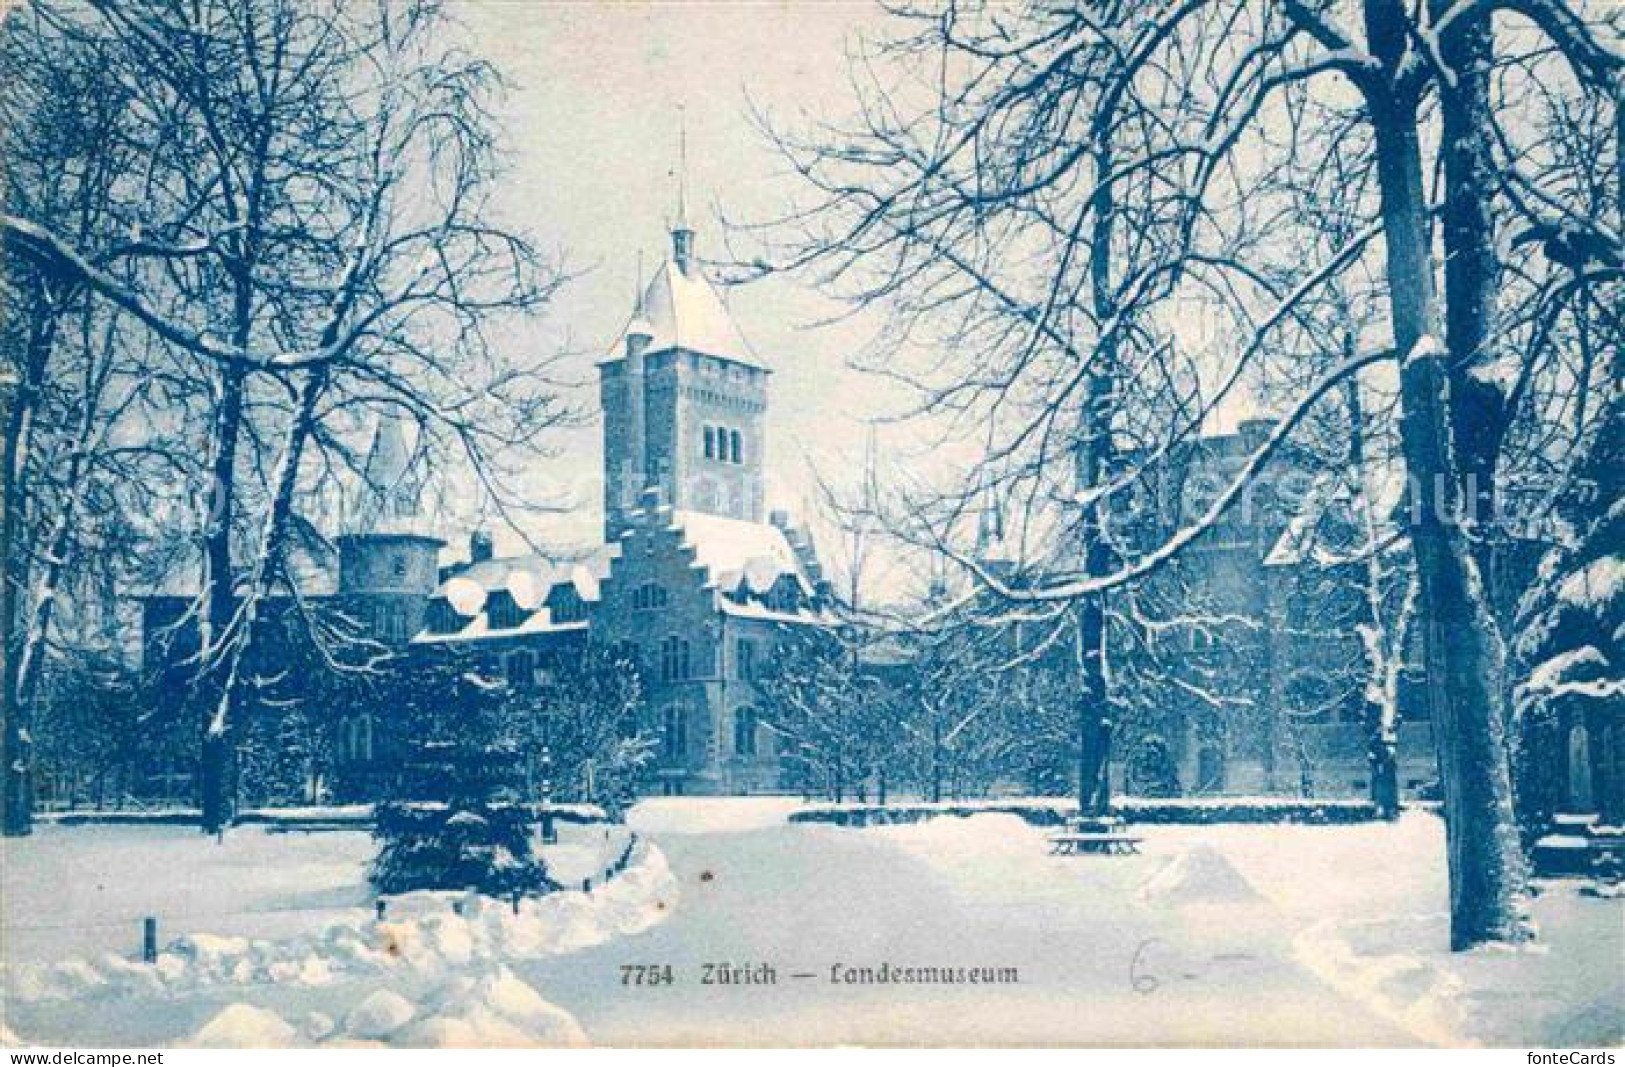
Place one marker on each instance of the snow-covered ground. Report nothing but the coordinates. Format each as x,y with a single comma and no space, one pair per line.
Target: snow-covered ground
266,935
1270,935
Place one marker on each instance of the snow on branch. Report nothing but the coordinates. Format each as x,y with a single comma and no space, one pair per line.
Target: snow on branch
1156,559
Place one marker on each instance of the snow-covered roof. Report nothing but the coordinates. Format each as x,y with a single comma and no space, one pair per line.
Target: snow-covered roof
479,628
531,581
736,551
683,309
747,610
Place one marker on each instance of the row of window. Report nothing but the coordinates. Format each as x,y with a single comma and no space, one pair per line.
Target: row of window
677,658
723,445
674,732
648,597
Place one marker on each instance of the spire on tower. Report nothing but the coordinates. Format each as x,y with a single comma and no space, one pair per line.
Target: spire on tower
682,234
390,488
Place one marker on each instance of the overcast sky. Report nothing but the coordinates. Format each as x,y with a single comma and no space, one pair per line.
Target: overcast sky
593,116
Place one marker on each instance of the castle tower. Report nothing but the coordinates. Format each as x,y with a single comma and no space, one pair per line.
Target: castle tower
684,398
388,554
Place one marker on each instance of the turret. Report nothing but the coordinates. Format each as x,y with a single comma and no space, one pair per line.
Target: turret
389,554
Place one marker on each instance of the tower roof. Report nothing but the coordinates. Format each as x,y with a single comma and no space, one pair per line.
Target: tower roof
389,458
389,501
683,309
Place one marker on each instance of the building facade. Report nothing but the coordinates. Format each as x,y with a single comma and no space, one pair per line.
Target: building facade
692,583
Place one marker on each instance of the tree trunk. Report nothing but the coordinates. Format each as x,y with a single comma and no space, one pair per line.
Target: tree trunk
218,750
16,740
1460,644
1471,274
215,785
1094,460
1382,742
1094,721
1384,776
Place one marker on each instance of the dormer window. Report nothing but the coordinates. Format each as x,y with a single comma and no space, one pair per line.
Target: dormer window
443,618
783,596
567,606
502,612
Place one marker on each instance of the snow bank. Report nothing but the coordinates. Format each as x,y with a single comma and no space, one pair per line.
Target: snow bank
1200,875
244,1026
1406,989
492,1009
421,934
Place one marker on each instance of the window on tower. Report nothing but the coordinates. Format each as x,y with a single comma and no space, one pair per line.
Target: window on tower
710,443
734,451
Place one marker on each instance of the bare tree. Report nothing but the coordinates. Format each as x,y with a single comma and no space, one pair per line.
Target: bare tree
313,239
964,191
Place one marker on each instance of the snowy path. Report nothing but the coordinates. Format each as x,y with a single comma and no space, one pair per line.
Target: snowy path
1095,966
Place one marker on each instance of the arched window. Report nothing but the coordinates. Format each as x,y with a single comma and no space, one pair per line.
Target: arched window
734,451
674,733
363,738
745,732
355,739
710,443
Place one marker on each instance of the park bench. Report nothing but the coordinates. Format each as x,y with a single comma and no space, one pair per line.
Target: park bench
1097,843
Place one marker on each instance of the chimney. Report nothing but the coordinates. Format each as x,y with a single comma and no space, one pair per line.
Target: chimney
480,547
